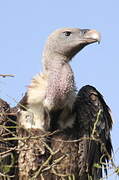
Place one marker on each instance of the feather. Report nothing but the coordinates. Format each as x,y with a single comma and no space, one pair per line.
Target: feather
94,122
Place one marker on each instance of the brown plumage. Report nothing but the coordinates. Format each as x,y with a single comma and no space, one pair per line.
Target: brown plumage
85,149
32,154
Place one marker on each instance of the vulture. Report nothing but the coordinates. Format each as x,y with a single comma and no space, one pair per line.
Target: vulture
65,134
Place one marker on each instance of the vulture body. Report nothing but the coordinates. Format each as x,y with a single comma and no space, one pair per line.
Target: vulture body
65,135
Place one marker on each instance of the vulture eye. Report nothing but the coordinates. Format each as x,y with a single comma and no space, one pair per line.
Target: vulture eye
67,33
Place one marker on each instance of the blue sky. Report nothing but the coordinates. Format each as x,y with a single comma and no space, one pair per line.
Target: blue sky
24,27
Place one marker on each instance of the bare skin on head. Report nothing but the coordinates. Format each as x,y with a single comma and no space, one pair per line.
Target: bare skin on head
55,89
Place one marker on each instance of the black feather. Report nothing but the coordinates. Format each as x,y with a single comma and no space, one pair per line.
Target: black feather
94,124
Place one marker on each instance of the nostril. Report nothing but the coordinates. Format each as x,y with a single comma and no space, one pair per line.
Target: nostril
83,31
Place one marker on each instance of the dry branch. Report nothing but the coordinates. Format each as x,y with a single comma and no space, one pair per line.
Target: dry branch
6,75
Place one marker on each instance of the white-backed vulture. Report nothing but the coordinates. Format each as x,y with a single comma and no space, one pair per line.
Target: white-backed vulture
81,146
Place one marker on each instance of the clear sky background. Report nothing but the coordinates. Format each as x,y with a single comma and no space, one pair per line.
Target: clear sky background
24,27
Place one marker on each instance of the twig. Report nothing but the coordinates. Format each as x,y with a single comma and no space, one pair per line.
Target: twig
95,124
7,75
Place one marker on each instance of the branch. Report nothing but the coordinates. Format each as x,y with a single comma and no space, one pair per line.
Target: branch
7,75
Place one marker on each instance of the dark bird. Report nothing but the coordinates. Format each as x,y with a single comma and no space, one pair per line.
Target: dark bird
81,146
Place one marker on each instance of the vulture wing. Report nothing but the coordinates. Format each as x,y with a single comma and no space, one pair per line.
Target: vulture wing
84,151
94,125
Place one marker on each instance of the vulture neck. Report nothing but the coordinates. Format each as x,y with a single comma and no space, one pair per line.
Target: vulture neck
60,80
53,60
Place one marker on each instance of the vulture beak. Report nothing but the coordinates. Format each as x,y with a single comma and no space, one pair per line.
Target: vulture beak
90,36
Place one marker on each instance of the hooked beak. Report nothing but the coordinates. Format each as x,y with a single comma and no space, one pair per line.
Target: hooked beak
90,36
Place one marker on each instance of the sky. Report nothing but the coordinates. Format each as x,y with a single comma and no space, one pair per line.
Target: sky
24,28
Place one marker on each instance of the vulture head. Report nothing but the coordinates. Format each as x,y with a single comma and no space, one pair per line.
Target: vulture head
67,42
